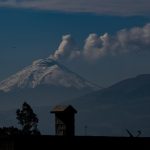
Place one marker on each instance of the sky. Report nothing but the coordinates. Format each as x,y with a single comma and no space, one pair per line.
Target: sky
104,41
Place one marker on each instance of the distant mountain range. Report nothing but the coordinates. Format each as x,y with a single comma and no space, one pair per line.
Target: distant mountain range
108,111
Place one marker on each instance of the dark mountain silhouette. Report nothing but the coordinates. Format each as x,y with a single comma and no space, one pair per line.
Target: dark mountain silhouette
129,89
124,105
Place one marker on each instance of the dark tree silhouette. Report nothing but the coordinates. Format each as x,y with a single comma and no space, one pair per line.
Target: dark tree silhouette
27,119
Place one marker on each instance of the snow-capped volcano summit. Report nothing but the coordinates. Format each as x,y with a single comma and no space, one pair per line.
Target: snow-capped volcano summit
45,72
44,82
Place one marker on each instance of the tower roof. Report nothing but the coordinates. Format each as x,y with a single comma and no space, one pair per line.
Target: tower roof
63,108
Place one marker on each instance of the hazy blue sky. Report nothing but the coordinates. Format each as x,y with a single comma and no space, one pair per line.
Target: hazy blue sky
29,34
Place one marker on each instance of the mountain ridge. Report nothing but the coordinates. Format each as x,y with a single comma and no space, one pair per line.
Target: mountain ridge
44,71
124,105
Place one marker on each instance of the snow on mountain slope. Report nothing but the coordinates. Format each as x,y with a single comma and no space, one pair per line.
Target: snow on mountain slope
45,72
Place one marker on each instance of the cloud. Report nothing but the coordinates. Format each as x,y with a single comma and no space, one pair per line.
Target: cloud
125,41
134,40
95,46
112,7
67,49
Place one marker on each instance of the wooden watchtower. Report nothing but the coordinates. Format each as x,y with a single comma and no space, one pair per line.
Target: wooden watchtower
64,120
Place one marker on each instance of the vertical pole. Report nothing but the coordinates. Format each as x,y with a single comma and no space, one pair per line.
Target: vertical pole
85,130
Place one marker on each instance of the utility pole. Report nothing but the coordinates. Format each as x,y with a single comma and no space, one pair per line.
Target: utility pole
85,130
